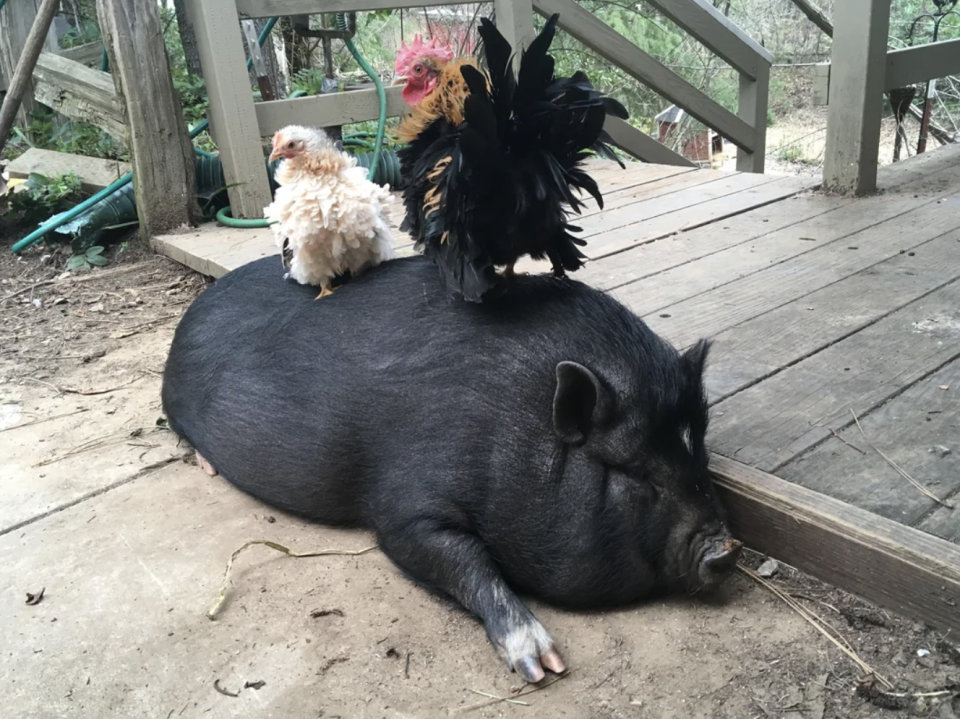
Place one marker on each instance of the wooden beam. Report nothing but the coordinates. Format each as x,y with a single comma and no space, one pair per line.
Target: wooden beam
95,173
514,20
80,93
615,48
715,30
341,108
821,82
898,567
16,20
275,8
640,145
86,54
20,80
753,99
815,16
853,120
161,152
913,65
233,119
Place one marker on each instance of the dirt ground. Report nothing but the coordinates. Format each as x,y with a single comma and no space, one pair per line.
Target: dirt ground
101,509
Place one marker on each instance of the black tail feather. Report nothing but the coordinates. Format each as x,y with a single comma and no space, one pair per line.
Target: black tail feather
500,186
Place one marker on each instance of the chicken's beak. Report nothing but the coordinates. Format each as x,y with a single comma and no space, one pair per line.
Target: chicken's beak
399,80
274,155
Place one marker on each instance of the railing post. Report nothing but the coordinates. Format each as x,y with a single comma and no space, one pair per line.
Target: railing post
233,118
514,20
754,94
858,65
16,20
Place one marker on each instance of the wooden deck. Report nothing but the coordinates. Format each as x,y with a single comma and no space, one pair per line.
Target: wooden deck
824,310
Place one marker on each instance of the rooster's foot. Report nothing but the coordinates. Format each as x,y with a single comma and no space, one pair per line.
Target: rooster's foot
326,292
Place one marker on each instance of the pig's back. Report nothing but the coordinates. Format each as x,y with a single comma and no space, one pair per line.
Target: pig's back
304,403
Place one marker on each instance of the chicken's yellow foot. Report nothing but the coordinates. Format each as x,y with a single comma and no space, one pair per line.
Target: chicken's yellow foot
326,292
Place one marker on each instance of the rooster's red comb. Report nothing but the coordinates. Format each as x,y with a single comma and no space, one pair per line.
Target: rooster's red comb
409,54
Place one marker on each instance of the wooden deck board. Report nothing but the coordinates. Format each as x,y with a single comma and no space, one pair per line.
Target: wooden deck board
924,417
759,348
714,311
771,423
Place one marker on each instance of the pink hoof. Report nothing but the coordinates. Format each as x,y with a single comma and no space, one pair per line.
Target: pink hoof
206,466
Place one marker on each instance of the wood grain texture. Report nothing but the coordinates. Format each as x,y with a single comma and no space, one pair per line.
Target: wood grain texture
924,417
640,145
857,72
233,120
712,312
753,101
689,212
761,347
80,93
908,571
718,33
771,423
94,172
87,54
160,149
342,108
913,65
17,20
615,48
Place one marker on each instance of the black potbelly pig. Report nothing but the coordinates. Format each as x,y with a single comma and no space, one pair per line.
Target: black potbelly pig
544,442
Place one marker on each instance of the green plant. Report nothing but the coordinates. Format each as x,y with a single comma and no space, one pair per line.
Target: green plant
790,153
86,259
309,80
44,196
88,31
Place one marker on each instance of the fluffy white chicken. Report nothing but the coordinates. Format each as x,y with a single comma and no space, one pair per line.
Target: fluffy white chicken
328,217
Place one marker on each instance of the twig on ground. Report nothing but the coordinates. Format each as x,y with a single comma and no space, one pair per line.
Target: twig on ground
44,419
137,329
902,472
819,624
84,392
499,699
280,548
532,690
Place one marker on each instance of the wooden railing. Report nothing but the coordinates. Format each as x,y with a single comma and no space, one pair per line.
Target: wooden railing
238,123
860,71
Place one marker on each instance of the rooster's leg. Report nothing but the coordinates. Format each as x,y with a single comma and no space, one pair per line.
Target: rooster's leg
509,272
326,292
206,466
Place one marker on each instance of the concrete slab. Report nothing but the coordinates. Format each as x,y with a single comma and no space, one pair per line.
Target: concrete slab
129,575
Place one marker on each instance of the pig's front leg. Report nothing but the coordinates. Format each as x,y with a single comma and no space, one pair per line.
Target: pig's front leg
457,563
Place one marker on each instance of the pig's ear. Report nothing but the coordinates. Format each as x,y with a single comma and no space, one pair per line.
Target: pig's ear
579,403
694,360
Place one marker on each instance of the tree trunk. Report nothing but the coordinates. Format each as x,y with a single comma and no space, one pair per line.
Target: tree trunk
188,38
295,47
161,151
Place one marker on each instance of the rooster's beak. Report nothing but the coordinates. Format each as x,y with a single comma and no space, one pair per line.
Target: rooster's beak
399,80
274,155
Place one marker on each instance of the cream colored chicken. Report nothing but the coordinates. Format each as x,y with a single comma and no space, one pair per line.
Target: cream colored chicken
328,217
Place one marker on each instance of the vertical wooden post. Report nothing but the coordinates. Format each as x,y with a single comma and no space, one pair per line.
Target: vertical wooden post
233,119
754,95
514,20
162,154
16,20
858,65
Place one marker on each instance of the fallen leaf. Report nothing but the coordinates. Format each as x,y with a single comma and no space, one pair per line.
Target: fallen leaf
34,599
256,686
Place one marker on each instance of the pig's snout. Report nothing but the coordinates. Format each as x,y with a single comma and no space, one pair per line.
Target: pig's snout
719,560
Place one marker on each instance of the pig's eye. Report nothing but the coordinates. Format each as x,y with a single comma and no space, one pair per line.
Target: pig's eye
686,439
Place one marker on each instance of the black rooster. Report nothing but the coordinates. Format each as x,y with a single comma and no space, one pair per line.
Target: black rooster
501,184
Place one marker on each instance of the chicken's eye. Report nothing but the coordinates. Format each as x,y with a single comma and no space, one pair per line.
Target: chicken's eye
418,69
291,144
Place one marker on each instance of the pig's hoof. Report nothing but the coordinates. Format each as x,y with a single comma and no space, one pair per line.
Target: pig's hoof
529,650
206,466
510,273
